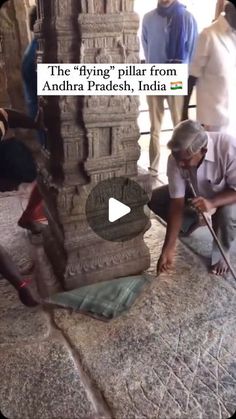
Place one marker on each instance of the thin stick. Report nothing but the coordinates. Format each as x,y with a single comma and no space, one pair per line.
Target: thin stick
213,234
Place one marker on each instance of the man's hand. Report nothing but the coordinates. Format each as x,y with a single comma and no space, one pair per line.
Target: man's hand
202,204
165,262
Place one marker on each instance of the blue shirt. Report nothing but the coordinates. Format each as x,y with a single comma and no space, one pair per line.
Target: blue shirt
155,37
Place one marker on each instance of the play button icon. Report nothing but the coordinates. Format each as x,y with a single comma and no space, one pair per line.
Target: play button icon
117,210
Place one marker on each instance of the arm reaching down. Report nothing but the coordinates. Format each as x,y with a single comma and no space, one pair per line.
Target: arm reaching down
174,223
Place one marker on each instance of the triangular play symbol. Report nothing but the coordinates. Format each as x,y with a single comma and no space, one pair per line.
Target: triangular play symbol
117,210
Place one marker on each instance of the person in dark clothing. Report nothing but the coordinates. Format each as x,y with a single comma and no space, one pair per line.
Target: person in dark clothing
11,177
34,211
16,162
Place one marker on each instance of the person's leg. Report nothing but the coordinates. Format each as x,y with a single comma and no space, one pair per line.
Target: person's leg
156,113
28,218
175,104
224,225
10,272
160,203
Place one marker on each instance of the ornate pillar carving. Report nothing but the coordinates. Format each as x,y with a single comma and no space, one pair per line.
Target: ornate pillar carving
91,138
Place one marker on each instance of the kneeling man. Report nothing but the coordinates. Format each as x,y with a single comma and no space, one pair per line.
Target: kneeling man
208,161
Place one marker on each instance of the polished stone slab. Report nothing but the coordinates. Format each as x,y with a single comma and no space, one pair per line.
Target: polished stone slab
173,354
40,380
18,323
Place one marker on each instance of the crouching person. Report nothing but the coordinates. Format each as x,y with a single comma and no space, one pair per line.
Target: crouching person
207,160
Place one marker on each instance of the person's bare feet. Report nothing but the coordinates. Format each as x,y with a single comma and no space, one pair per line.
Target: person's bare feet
219,268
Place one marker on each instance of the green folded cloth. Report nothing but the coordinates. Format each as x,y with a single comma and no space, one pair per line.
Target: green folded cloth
105,300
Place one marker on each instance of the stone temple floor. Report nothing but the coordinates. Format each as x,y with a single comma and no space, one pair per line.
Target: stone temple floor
172,356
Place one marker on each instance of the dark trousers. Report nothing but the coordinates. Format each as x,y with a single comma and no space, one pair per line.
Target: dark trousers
223,221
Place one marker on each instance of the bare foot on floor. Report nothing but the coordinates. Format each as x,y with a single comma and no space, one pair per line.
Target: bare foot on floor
220,268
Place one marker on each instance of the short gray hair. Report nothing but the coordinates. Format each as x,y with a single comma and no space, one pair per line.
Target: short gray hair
188,136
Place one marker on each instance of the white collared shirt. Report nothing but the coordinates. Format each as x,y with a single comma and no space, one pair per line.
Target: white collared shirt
214,64
216,173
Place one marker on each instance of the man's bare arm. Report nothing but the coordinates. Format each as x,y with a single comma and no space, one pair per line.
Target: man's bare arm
226,197
174,223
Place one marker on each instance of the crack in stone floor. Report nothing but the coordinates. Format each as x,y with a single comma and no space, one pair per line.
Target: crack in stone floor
171,356
95,396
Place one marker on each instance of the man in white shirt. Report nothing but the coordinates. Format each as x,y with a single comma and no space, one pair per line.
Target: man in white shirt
208,160
213,70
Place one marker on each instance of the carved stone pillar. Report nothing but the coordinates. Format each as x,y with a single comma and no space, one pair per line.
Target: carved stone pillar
91,139
13,40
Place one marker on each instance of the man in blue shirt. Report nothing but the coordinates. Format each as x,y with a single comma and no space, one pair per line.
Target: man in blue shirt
169,35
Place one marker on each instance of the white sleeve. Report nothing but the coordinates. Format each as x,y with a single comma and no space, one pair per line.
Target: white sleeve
177,184
201,54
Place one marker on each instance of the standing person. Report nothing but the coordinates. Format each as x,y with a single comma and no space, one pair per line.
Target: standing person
213,71
169,35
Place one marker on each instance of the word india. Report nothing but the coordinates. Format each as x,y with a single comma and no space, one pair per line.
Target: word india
110,86
108,78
